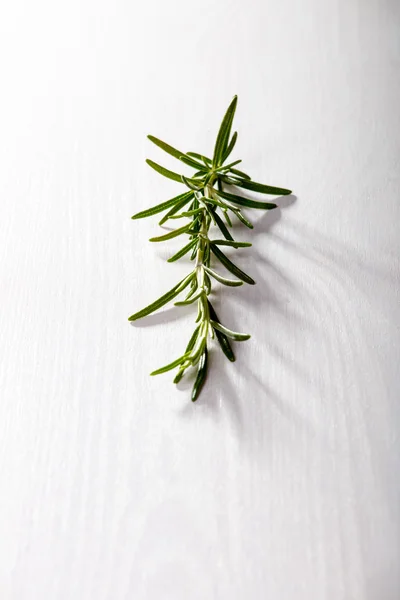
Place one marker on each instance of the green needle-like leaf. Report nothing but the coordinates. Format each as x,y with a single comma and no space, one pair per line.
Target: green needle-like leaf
199,312
224,280
207,283
229,179
191,183
228,264
179,375
201,375
183,251
222,339
193,163
230,147
227,218
243,219
240,173
189,347
171,234
186,197
206,161
223,228
166,147
192,340
177,289
246,202
198,348
230,165
193,288
223,135
193,298
182,199
176,153
167,173
164,171
194,252
238,337
263,189
215,201
234,244
170,366
187,214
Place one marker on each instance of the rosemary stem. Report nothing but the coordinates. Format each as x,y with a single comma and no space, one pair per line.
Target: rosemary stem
200,273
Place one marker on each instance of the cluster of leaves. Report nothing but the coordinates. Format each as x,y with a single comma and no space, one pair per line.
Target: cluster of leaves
205,203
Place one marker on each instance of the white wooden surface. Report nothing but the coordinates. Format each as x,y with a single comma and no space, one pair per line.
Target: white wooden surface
282,482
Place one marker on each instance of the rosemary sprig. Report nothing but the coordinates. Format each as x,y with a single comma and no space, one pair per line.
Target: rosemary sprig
200,204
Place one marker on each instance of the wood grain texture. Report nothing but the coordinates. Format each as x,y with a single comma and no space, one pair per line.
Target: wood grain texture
282,481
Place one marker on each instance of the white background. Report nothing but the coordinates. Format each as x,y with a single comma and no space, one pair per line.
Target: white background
282,482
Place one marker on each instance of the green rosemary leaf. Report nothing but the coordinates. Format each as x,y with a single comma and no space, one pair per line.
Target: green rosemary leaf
209,212
263,189
193,163
164,171
198,348
228,264
191,183
192,340
194,252
230,147
177,289
222,339
206,258
228,179
225,232
206,161
187,213
240,173
243,219
201,375
193,288
227,218
215,201
246,202
207,283
170,366
171,234
224,280
193,232
182,252
232,164
199,312
179,375
195,297
166,147
160,207
195,226
238,337
223,135
186,197
176,153
233,243
189,348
